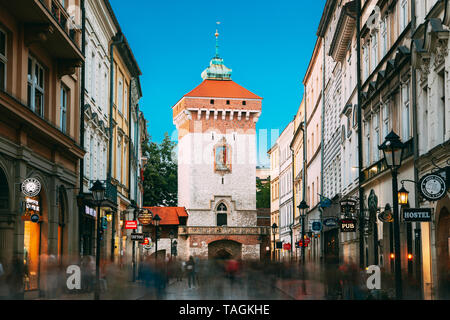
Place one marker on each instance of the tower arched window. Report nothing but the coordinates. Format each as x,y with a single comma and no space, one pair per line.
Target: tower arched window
222,215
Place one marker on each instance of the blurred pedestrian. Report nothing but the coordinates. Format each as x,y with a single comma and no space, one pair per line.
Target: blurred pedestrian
15,279
190,269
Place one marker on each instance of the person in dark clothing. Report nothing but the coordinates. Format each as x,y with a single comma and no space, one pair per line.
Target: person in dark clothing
15,279
190,269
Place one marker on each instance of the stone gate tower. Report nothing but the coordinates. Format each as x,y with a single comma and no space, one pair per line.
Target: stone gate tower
217,167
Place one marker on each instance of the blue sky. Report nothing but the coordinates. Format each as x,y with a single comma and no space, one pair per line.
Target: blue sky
267,44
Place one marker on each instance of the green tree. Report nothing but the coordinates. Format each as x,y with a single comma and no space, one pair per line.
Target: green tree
263,193
160,173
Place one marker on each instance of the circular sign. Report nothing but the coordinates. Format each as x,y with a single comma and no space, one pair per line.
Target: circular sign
432,187
145,217
31,187
316,226
34,218
386,217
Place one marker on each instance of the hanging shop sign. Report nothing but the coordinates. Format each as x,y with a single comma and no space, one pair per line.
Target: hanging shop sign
287,246
348,225
330,222
130,224
386,216
432,187
34,218
279,245
137,237
32,208
420,215
31,187
316,226
147,244
145,217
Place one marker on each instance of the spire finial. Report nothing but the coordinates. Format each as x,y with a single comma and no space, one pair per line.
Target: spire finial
217,39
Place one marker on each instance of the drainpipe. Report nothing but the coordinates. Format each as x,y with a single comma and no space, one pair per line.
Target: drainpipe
83,85
360,162
417,230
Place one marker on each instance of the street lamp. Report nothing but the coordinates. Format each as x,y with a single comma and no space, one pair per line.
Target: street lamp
98,193
274,229
156,220
392,149
403,196
302,208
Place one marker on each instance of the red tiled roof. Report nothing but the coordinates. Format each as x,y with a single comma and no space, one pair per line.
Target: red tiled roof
221,89
169,215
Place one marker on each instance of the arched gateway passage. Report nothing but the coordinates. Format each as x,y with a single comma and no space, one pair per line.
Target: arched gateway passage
224,249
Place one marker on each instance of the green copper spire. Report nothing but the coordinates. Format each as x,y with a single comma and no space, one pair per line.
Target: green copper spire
217,70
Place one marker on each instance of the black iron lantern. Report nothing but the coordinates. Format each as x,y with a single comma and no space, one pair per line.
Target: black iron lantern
403,196
303,207
156,220
98,191
392,149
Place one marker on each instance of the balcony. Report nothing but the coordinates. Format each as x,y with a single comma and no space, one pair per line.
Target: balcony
48,23
224,230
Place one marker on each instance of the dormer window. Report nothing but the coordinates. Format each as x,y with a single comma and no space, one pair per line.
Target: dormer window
211,101
228,101
244,103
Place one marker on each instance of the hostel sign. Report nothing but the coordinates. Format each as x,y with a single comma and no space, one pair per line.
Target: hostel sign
420,215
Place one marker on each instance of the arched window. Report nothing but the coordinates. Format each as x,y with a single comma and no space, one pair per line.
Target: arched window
222,215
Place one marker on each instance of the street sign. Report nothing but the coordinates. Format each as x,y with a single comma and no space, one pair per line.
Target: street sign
421,215
432,187
348,225
137,237
34,218
145,217
130,224
316,226
385,216
330,222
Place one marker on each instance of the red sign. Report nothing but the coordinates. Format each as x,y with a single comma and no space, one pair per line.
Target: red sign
287,246
307,241
130,224
146,241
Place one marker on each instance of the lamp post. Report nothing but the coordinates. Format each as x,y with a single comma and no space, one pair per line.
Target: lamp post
156,220
302,208
392,149
98,193
274,229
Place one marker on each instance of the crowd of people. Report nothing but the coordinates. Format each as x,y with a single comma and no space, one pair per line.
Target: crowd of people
207,277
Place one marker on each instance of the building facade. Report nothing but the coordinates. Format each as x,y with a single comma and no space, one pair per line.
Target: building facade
217,160
40,57
274,156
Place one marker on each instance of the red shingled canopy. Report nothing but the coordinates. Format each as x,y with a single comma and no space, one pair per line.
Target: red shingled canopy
169,215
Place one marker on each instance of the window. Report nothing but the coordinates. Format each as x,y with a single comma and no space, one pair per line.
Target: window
228,101
366,62
375,138
244,103
120,95
35,90
385,115
125,105
405,113
63,117
384,36
91,158
374,51
93,74
367,134
441,107
403,15
222,215
125,163
211,101
119,161
3,60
